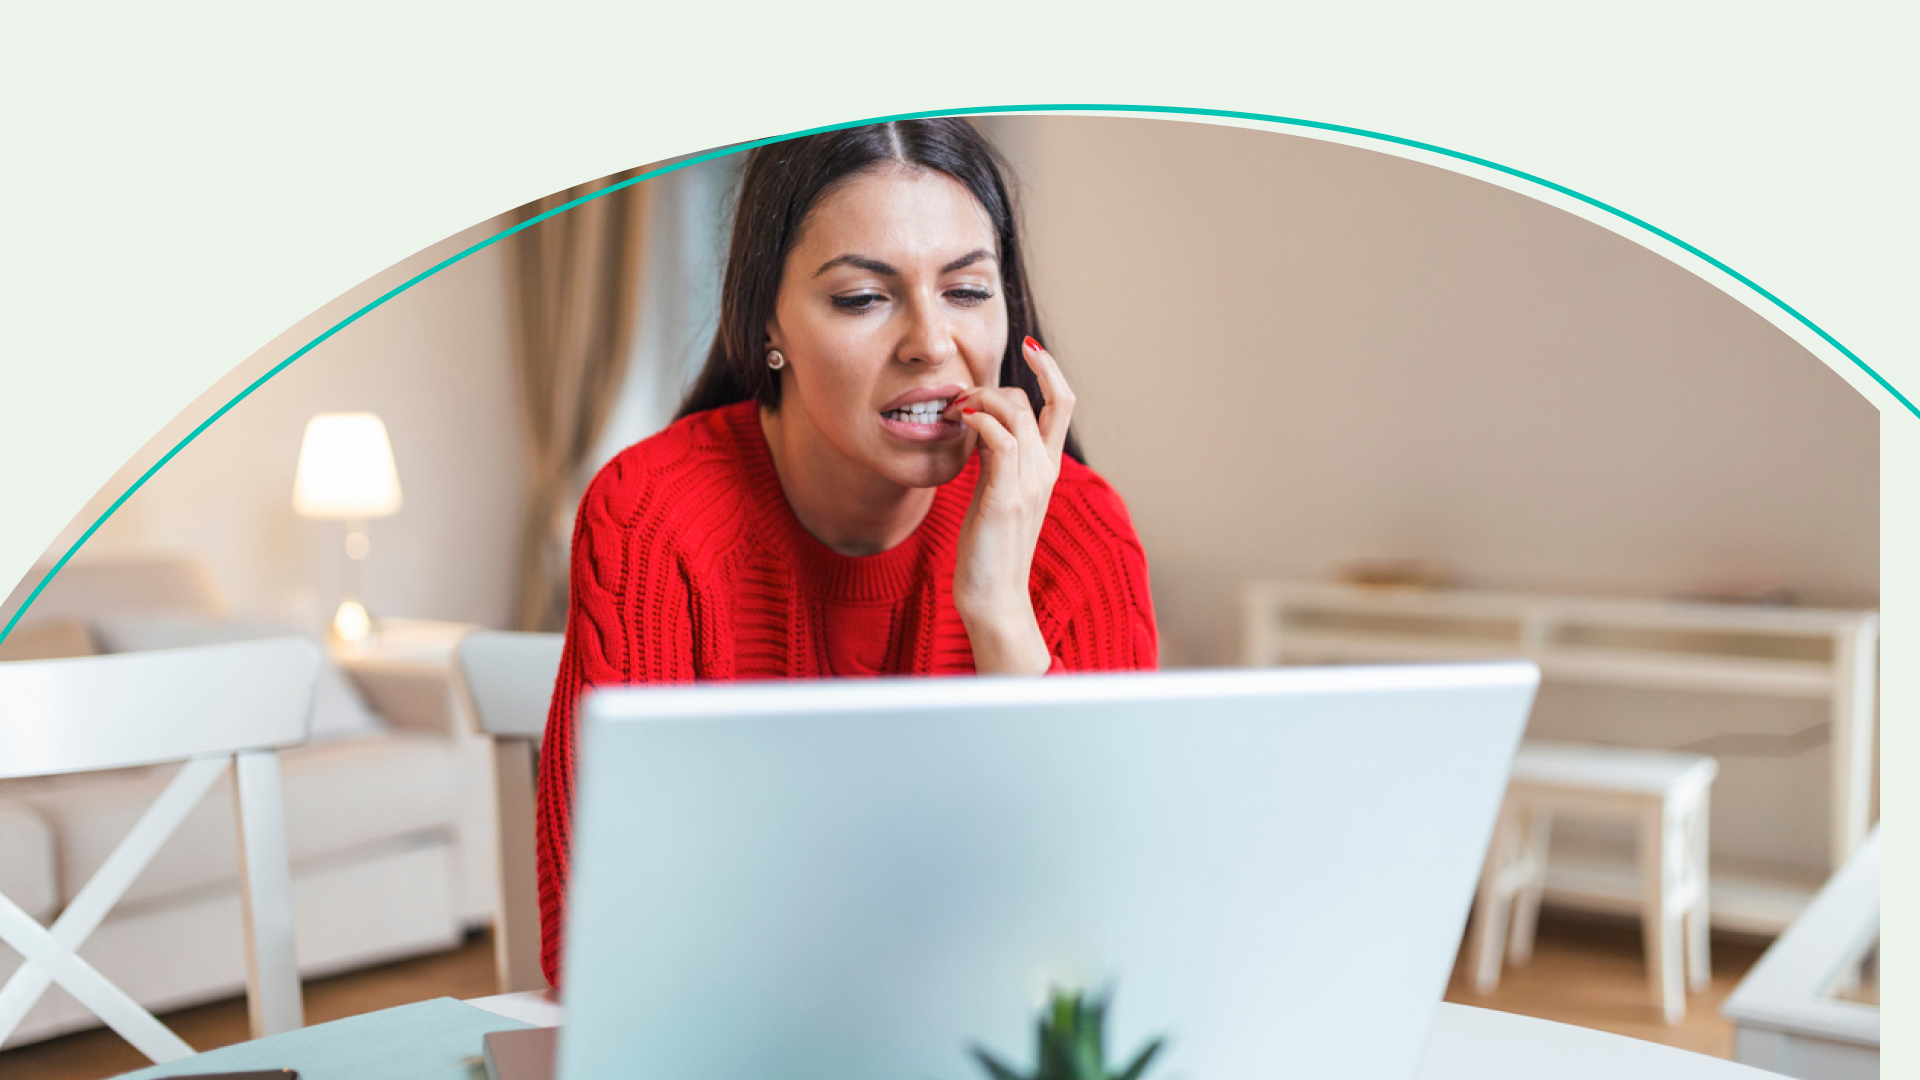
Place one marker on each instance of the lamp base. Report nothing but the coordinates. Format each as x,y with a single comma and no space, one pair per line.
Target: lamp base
351,623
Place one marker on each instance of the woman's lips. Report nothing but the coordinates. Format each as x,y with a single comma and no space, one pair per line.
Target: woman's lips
917,414
923,394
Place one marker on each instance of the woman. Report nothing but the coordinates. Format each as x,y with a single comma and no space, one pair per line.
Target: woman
872,476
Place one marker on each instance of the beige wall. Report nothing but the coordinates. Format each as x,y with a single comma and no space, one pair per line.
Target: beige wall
1290,354
434,363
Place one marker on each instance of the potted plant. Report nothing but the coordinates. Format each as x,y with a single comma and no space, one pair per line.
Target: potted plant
1071,1044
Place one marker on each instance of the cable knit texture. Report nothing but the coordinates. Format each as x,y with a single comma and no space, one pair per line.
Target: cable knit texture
689,565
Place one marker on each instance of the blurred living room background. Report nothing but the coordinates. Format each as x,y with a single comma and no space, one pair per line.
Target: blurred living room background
1298,361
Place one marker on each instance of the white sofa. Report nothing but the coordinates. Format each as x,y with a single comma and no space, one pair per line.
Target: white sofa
390,829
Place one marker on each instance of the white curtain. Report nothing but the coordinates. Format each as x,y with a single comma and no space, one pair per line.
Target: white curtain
689,214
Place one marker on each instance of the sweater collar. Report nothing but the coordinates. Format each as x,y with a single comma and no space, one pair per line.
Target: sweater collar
889,575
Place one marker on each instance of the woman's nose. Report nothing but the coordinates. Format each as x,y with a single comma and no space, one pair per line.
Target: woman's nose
929,339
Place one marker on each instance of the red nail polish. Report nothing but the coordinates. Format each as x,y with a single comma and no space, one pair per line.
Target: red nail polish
968,412
1032,344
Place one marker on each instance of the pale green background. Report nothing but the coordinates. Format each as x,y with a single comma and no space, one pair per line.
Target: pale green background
184,183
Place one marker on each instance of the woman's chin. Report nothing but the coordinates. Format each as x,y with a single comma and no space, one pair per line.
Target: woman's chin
928,466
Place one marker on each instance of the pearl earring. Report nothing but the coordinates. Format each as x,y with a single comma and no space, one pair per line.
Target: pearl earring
775,359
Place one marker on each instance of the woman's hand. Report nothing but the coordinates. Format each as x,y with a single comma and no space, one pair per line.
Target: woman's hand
1019,461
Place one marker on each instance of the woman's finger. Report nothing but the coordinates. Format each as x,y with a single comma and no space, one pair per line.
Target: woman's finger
1007,404
1000,448
1058,412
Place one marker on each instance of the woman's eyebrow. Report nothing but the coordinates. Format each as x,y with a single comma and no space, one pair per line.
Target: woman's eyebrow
967,260
875,266
860,261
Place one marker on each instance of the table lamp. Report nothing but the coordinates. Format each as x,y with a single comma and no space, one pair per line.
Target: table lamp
346,472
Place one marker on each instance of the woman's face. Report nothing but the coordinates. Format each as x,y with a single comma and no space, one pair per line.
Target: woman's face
890,305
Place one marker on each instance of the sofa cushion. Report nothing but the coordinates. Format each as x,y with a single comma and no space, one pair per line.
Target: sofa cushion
93,585
338,709
26,870
339,796
48,639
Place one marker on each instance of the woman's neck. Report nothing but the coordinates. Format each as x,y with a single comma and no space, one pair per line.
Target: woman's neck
843,504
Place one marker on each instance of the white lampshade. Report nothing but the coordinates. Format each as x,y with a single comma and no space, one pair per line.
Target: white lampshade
346,469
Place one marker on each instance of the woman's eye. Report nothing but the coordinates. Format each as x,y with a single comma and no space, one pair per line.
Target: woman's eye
971,294
857,302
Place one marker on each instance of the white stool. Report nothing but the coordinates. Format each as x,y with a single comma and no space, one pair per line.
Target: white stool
1664,794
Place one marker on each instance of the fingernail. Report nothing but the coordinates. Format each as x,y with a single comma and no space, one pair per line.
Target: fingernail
1032,344
967,412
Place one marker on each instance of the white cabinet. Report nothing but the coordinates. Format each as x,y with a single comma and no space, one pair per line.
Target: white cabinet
1825,655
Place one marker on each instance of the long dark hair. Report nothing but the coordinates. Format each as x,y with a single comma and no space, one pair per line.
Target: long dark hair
783,182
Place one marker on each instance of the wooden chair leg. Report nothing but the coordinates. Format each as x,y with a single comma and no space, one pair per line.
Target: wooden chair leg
1660,917
1537,827
266,896
516,926
1489,932
1699,960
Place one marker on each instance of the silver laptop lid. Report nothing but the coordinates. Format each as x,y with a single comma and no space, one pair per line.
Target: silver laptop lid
856,880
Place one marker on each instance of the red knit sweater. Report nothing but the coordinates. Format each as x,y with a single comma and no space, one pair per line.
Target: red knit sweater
688,564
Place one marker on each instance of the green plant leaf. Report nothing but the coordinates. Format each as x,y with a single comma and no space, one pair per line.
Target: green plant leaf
994,1066
1140,1063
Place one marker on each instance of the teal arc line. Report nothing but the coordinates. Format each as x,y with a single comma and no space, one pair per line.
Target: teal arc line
696,159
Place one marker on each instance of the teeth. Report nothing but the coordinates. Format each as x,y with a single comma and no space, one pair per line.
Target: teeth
926,412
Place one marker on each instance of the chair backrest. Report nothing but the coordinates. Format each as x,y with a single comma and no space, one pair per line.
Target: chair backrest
106,712
509,680
506,679
210,707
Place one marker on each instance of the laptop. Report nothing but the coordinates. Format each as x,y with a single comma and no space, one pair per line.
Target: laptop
866,880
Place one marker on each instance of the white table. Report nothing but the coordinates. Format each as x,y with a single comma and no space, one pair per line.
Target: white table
1481,1044
406,673
1466,1044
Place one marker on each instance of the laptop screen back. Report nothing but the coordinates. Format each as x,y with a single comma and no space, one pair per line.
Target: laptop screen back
862,880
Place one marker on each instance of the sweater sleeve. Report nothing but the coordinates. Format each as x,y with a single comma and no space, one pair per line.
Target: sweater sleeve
1091,582
616,584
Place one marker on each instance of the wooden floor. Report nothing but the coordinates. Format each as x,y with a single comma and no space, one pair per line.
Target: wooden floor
1590,973
1583,972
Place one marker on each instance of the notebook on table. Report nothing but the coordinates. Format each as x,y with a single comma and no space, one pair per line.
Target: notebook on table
520,1055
